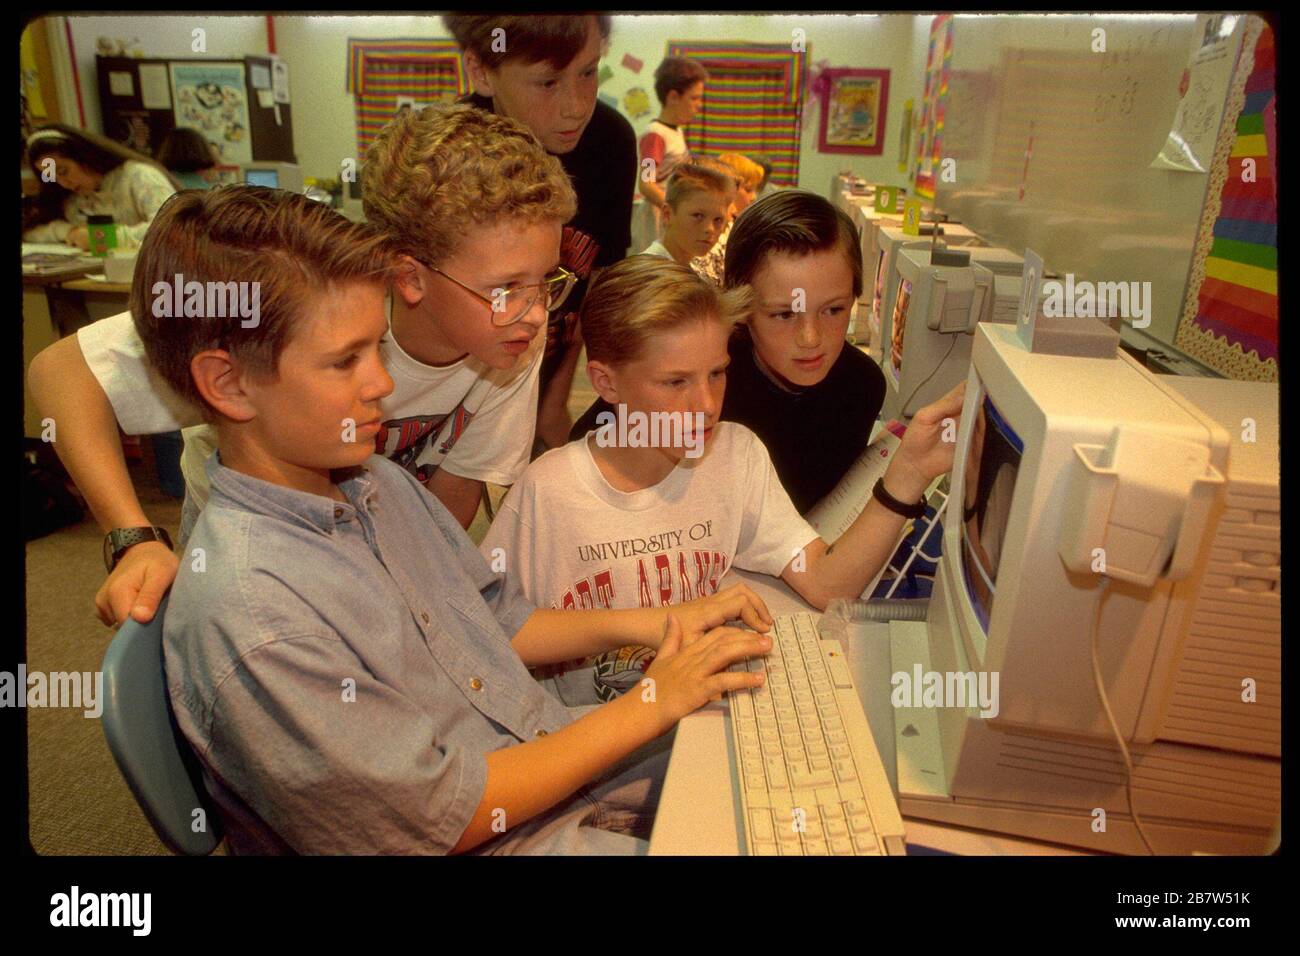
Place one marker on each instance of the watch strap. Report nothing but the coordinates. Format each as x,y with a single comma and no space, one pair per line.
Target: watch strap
913,511
119,539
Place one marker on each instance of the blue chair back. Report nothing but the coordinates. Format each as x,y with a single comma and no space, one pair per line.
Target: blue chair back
152,753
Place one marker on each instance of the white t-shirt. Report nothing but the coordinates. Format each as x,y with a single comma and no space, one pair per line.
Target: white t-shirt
657,248
573,541
426,418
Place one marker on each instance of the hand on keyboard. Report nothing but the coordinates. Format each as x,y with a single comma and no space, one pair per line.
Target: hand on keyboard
685,678
735,603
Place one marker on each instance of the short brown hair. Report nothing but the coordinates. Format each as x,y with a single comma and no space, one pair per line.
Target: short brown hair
691,178
555,39
641,295
292,247
431,172
678,74
790,221
186,150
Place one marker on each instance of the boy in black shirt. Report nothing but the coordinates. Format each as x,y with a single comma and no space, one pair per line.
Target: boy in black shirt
542,71
792,381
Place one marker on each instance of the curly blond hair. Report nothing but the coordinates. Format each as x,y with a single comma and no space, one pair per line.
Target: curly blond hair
432,172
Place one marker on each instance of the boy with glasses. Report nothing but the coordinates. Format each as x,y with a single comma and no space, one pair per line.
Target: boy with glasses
476,207
543,71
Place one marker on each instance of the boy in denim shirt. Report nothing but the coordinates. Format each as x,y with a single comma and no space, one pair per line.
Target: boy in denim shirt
349,670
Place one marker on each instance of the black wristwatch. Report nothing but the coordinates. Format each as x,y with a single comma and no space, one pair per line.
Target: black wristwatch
893,504
119,539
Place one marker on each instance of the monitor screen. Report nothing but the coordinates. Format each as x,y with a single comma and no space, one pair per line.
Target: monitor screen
262,177
898,326
992,465
878,290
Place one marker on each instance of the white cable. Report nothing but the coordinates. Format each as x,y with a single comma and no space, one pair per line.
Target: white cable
1105,705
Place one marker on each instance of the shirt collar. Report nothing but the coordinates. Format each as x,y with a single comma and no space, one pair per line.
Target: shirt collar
257,496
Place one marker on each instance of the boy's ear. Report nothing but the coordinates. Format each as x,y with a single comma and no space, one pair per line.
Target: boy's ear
479,75
666,212
219,382
409,283
602,380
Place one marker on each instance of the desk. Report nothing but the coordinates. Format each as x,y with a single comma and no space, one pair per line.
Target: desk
698,807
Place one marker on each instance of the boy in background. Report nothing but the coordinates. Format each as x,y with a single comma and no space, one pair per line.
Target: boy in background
476,207
746,174
545,77
347,668
695,212
679,86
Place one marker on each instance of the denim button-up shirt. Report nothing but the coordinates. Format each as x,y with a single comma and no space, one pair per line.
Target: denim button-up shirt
342,670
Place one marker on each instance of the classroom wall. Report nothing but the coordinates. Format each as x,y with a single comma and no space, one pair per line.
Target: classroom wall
158,36
316,50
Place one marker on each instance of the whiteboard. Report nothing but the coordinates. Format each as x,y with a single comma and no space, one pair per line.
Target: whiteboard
1092,204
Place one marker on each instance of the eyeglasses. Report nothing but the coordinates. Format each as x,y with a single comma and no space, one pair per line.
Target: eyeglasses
510,305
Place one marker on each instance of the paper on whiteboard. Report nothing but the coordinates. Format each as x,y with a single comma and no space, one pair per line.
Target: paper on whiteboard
121,83
155,90
280,80
1204,88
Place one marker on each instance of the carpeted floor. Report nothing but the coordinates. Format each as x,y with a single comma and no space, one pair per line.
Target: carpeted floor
79,803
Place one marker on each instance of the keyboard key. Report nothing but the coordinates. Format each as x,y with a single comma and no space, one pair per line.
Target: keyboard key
845,771
760,822
865,844
816,848
841,846
802,776
836,828
830,810
860,823
776,774
766,849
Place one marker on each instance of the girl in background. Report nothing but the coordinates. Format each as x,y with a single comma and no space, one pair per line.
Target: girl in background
86,174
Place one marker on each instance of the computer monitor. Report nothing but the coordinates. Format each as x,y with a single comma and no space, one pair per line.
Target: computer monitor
935,307
1066,467
276,175
882,279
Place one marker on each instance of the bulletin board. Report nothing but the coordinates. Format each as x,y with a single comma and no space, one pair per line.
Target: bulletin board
1059,156
139,99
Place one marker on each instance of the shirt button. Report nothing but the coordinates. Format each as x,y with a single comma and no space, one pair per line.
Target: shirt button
338,513
539,733
475,683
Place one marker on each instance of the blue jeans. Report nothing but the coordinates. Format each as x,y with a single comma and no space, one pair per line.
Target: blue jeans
612,816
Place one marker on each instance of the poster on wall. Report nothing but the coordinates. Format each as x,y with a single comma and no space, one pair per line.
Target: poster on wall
853,111
211,98
930,146
1202,90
